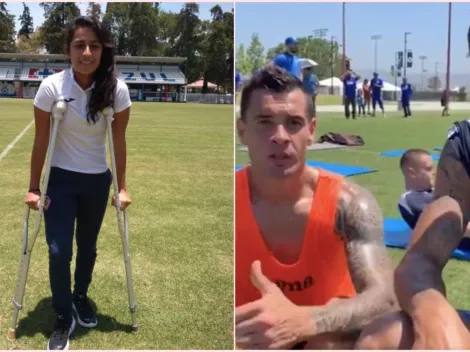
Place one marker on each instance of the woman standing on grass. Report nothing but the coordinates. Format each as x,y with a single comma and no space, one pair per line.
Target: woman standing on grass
80,179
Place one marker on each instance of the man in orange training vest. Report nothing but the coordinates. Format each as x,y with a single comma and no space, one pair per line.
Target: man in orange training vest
311,266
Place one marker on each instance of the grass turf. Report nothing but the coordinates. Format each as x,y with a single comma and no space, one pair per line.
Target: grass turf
423,130
180,178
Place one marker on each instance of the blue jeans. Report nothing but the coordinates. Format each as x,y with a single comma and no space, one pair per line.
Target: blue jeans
81,197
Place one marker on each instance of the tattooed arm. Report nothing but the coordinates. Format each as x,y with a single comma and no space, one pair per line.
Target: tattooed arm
441,226
360,223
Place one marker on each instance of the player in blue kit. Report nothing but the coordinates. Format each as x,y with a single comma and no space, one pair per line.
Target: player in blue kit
289,60
376,85
349,79
406,93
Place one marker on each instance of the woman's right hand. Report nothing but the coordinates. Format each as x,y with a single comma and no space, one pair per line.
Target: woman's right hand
32,199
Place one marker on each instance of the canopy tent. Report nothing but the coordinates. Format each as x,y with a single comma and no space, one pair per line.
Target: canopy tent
332,81
388,87
200,83
307,63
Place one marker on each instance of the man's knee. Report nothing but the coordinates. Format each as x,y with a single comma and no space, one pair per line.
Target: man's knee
391,331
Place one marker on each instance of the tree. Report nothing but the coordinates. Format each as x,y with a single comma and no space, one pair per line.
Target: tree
134,27
242,63
218,53
26,22
32,44
255,53
117,20
94,10
189,41
58,15
168,31
7,30
143,25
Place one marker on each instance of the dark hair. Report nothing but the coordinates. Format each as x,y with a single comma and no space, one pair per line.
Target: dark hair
274,79
410,155
102,95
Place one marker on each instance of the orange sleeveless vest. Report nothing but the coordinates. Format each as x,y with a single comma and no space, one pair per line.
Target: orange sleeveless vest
320,274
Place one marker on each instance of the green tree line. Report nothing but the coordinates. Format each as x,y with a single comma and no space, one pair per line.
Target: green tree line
139,29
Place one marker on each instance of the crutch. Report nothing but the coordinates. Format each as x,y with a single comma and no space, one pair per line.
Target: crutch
58,114
124,230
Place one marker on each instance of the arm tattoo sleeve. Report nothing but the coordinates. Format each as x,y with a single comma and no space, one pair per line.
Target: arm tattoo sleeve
360,223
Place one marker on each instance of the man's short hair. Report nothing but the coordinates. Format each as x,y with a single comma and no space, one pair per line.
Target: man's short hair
411,155
277,80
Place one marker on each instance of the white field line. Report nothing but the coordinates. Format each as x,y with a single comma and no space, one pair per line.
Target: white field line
12,144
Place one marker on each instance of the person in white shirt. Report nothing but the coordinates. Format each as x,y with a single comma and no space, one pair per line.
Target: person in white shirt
80,179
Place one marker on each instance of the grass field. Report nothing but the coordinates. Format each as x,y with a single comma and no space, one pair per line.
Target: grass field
180,178
423,130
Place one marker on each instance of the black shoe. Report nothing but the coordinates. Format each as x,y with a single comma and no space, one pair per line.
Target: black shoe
85,315
59,339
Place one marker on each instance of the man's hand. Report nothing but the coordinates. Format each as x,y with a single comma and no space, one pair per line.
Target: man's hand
272,322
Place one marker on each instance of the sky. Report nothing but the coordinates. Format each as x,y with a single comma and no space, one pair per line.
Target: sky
427,22
16,8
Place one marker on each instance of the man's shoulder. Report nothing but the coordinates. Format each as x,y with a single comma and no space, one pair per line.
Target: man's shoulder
280,57
359,216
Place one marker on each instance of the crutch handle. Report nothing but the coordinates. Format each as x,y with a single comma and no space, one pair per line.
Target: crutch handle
58,110
109,113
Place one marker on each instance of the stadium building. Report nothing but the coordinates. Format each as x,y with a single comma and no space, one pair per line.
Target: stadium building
148,78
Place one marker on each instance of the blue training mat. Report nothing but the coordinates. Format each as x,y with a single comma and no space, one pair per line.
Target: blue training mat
398,234
393,153
345,170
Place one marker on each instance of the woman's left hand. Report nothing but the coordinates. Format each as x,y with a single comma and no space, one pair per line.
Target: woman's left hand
124,199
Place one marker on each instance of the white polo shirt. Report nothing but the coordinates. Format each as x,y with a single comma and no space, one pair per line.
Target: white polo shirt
80,146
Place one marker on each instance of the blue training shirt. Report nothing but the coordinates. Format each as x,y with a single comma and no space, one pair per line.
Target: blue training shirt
310,83
350,86
288,62
412,204
406,91
376,84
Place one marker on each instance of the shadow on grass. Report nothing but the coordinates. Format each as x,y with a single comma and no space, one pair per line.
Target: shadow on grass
42,320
